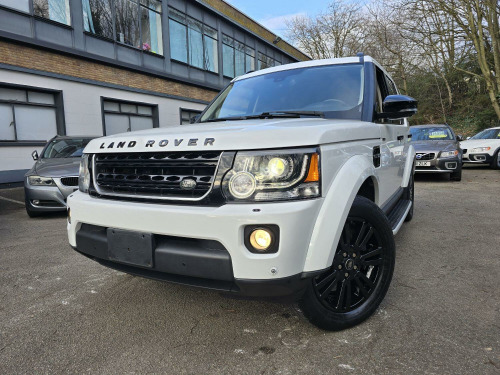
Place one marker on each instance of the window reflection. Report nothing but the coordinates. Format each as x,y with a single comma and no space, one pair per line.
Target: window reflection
54,10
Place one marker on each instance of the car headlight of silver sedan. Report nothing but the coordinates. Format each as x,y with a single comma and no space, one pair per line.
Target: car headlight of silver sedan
273,176
41,181
448,154
480,149
84,176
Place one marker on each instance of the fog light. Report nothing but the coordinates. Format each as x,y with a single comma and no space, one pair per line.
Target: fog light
36,202
261,239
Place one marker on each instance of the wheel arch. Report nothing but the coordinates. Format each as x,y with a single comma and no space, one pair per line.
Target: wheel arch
356,174
409,166
369,189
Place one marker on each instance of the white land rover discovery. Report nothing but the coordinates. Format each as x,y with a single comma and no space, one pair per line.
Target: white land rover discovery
292,183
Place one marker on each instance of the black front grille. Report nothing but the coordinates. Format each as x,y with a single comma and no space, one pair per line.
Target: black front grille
156,174
69,181
422,156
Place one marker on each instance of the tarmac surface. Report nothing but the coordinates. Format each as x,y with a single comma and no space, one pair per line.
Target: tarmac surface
62,313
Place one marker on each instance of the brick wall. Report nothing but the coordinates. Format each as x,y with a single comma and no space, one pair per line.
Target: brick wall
32,58
229,11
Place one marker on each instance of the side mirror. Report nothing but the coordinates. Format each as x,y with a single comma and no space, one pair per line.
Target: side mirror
194,119
34,155
468,138
460,138
398,106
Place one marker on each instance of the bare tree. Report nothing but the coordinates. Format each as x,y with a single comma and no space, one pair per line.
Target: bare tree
334,33
478,21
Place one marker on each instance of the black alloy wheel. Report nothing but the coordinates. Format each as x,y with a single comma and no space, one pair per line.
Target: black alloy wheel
353,287
495,163
356,268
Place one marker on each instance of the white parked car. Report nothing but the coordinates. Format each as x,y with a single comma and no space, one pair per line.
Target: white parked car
293,181
483,148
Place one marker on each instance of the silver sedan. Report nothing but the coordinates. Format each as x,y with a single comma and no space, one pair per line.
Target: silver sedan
54,175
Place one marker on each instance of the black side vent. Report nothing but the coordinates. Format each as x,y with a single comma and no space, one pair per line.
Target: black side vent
376,156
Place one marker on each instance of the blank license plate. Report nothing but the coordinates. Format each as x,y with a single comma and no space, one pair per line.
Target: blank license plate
128,247
423,164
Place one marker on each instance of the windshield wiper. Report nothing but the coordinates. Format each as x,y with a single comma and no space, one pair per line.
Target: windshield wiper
294,114
235,118
274,114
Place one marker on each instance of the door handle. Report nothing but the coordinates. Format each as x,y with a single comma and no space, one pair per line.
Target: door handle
401,137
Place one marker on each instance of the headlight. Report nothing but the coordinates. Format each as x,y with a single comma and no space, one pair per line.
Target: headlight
273,175
84,176
40,181
448,154
480,149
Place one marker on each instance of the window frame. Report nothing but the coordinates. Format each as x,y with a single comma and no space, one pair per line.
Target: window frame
58,106
204,35
181,110
31,12
154,115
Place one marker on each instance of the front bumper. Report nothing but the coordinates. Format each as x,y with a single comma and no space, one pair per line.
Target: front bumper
50,198
440,165
177,229
481,158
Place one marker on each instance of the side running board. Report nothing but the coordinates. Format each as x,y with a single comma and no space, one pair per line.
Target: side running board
398,214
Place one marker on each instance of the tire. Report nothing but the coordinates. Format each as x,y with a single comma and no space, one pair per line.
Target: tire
352,289
29,211
456,176
410,195
495,163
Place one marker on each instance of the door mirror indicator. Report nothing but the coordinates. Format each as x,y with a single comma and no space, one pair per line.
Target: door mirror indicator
34,155
397,107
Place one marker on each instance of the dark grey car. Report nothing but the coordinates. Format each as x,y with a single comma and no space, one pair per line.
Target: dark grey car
437,150
54,175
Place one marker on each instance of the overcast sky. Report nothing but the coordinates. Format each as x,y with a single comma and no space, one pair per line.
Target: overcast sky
273,13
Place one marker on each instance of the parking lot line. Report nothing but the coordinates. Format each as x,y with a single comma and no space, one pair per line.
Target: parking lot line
11,200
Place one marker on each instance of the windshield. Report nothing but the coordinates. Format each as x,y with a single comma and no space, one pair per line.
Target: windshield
487,134
334,90
431,133
65,148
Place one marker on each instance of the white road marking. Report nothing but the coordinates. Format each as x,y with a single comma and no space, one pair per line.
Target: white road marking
11,200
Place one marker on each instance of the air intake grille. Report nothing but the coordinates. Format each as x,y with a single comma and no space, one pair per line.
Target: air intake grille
165,175
69,181
421,156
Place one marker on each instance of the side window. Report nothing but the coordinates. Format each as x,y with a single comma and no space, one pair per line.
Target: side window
381,93
120,116
391,87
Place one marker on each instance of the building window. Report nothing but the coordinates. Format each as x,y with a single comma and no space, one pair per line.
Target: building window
29,115
98,18
23,6
266,62
187,115
121,116
193,42
137,23
54,10
237,59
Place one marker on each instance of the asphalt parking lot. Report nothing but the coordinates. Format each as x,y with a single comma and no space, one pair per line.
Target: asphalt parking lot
62,313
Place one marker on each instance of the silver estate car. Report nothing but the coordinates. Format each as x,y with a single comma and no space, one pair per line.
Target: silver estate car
54,175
